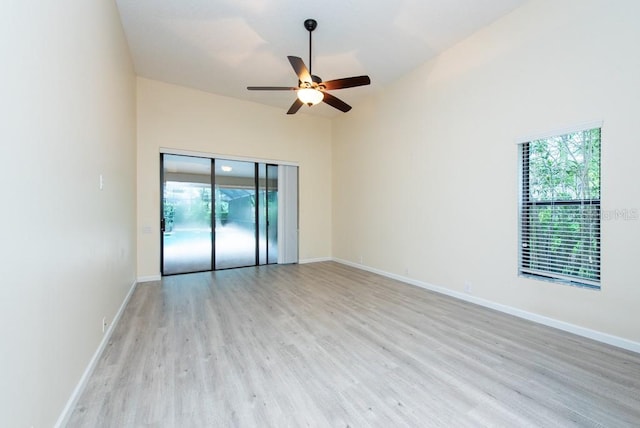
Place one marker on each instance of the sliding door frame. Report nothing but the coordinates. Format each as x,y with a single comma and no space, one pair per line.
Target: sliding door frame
213,214
162,219
257,163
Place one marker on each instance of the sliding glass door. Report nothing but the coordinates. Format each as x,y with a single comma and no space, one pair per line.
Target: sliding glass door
217,214
268,227
186,214
236,214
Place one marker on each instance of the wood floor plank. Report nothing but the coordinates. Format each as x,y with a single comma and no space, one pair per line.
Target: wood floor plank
328,345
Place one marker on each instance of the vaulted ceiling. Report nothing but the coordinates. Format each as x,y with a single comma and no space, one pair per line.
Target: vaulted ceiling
223,46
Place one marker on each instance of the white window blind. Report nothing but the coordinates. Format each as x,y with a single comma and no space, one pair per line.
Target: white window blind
560,208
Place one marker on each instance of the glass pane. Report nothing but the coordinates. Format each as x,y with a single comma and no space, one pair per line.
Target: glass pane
566,167
235,214
186,206
272,213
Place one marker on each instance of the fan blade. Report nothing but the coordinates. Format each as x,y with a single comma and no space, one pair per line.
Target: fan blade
271,88
295,106
347,82
336,102
301,70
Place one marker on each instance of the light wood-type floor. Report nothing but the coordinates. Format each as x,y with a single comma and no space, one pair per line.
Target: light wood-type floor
326,345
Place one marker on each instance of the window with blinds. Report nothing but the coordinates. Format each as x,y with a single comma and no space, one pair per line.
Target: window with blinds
560,208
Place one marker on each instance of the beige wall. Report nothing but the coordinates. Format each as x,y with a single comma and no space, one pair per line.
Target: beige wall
179,118
427,170
67,249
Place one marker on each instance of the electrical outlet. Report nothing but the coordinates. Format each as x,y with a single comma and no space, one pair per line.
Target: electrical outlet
104,324
361,259
406,271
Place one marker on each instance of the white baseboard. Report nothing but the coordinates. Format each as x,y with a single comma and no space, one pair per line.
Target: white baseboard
316,260
71,403
540,319
149,278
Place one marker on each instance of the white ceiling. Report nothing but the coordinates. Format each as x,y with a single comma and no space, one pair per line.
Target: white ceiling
223,46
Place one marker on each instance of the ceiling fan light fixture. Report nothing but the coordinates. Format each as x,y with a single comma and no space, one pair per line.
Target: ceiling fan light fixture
310,96
311,89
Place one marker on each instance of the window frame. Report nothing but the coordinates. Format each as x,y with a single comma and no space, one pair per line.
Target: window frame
525,205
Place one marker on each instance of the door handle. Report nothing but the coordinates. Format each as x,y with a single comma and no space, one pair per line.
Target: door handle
162,224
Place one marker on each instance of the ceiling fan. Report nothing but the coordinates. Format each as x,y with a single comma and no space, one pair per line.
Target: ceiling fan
311,89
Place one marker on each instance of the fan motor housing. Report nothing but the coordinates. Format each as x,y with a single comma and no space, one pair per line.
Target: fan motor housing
310,24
